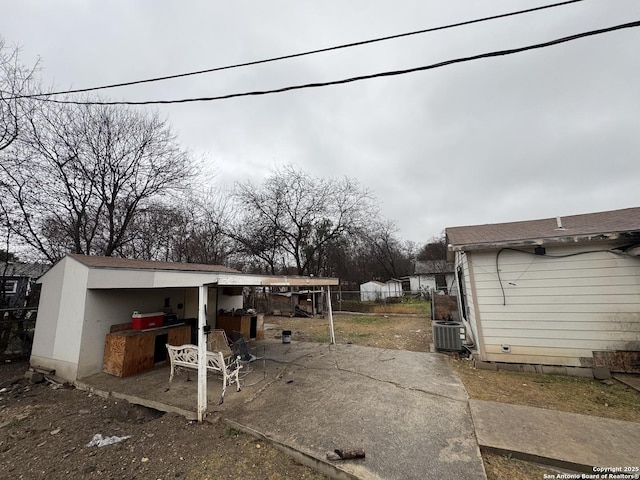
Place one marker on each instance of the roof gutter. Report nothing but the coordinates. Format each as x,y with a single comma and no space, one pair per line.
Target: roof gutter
547,241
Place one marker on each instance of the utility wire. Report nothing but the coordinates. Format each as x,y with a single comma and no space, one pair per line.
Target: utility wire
301,54
359,78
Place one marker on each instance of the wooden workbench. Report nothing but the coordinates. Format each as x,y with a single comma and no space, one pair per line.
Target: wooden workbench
127,352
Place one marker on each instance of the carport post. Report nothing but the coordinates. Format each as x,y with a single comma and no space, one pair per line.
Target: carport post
332,335
202,352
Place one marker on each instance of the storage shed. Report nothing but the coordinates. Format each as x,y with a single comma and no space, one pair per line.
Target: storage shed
376,291
83,297
556,291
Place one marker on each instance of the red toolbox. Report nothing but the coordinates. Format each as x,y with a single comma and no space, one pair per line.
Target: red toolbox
141,321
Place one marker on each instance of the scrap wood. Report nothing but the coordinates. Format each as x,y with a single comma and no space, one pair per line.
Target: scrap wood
348,454
56,382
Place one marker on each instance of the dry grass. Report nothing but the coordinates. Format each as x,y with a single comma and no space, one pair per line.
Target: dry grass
399,333
500,467
557,392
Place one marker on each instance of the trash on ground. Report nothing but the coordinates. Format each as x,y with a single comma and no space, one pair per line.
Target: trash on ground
99,441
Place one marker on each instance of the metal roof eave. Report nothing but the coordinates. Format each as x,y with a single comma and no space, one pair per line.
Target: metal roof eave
252,280
547,241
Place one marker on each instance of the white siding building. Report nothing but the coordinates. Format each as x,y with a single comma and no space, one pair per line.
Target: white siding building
432,275
376,291
83,296
560,291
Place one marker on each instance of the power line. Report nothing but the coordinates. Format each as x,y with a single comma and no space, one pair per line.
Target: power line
301,54
358,78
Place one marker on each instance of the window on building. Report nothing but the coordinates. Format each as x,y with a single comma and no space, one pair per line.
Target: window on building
9,286
441,282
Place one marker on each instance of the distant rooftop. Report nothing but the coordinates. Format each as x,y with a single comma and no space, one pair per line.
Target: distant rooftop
427,267
19,269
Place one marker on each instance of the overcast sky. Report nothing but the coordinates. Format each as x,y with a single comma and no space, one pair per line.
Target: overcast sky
548,132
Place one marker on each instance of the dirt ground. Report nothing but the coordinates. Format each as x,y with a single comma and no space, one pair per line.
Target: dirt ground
45,428
45,432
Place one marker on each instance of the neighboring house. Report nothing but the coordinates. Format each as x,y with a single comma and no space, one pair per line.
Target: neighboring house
17,281
557,291
83,297
432,275
373,290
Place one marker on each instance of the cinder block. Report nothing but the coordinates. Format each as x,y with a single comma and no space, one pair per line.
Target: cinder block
529,369
485,366
510,367
554,370
579,372
601,373
34,377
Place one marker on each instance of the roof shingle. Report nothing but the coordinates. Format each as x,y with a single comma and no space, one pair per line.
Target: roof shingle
615,221
92,261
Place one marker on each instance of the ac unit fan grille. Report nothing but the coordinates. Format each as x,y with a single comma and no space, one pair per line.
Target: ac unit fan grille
448,336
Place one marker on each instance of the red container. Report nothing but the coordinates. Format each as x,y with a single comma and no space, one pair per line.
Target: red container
141,321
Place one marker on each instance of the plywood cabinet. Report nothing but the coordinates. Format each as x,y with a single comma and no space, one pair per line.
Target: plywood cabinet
245,324
128,352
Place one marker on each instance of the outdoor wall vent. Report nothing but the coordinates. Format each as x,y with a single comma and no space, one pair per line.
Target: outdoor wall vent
506,348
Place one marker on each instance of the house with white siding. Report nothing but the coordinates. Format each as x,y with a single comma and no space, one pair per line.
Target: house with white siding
432,275
561,291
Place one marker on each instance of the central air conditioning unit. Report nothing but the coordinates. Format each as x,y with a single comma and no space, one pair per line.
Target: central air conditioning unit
448,336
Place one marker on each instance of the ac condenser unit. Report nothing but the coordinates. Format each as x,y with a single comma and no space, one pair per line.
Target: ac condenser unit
448,336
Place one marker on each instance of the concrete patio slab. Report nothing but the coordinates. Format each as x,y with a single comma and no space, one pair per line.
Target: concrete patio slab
407,410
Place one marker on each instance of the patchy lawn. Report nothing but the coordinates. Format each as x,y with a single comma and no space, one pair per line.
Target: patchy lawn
411,333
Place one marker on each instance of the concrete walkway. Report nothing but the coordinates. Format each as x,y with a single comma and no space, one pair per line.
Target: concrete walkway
566,440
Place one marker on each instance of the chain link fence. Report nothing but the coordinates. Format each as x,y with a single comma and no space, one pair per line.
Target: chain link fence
313,302
18,312
17,327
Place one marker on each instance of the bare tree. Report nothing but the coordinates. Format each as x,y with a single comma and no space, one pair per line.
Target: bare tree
16,80
192,229
388,256
209,241
434,250
295,217
80,174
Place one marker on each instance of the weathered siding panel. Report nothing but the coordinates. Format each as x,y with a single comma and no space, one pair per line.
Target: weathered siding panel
557,308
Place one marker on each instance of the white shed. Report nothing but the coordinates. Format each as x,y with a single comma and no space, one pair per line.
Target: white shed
374,291
393,288
83,296
371,291
557,291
